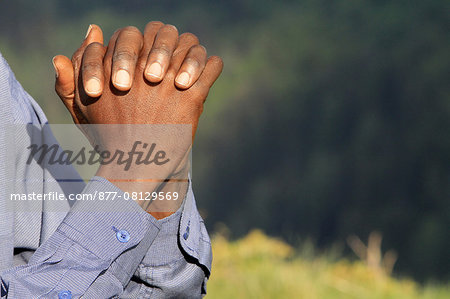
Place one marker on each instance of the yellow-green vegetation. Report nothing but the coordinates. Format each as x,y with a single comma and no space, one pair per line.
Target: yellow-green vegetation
258,266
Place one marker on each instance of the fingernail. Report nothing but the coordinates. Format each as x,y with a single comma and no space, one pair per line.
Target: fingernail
123,78
155,70
183,79
54,65
88,31
93,86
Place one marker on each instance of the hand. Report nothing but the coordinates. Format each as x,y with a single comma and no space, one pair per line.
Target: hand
128,51
147,99
162,45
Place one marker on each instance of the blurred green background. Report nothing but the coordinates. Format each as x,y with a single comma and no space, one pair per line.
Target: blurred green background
331,118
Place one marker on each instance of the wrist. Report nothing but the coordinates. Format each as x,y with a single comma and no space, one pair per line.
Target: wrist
159,197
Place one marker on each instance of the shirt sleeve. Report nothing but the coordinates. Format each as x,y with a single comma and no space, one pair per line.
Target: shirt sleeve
101,245
90,239
104,249
178,262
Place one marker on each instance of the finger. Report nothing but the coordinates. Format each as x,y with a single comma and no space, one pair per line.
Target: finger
185,42
65,83
150,31
213,68
159,57
94,34
192,67
92,69
126,52
107,60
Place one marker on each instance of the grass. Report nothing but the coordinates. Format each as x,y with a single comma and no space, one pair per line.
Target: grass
258,266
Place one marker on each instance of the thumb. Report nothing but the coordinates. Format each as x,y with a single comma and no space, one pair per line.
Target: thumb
94,34
65,81
64,68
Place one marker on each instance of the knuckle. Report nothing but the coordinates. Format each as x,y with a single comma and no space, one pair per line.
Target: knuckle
156,23
90,66
153,27
130,34
124,56
197,51
217,61
95,46
189,38
162,50
192,63
201,49
170,28
131,29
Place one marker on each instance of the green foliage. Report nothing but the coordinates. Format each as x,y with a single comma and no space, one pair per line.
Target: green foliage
331,117
261,267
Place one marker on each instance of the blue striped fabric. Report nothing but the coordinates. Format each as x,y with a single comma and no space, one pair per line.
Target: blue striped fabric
86,250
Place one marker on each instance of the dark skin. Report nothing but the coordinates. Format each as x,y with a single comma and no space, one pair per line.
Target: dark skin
158,77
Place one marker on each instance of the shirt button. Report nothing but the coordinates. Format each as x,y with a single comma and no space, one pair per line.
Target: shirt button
64,295
186,233
123,236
